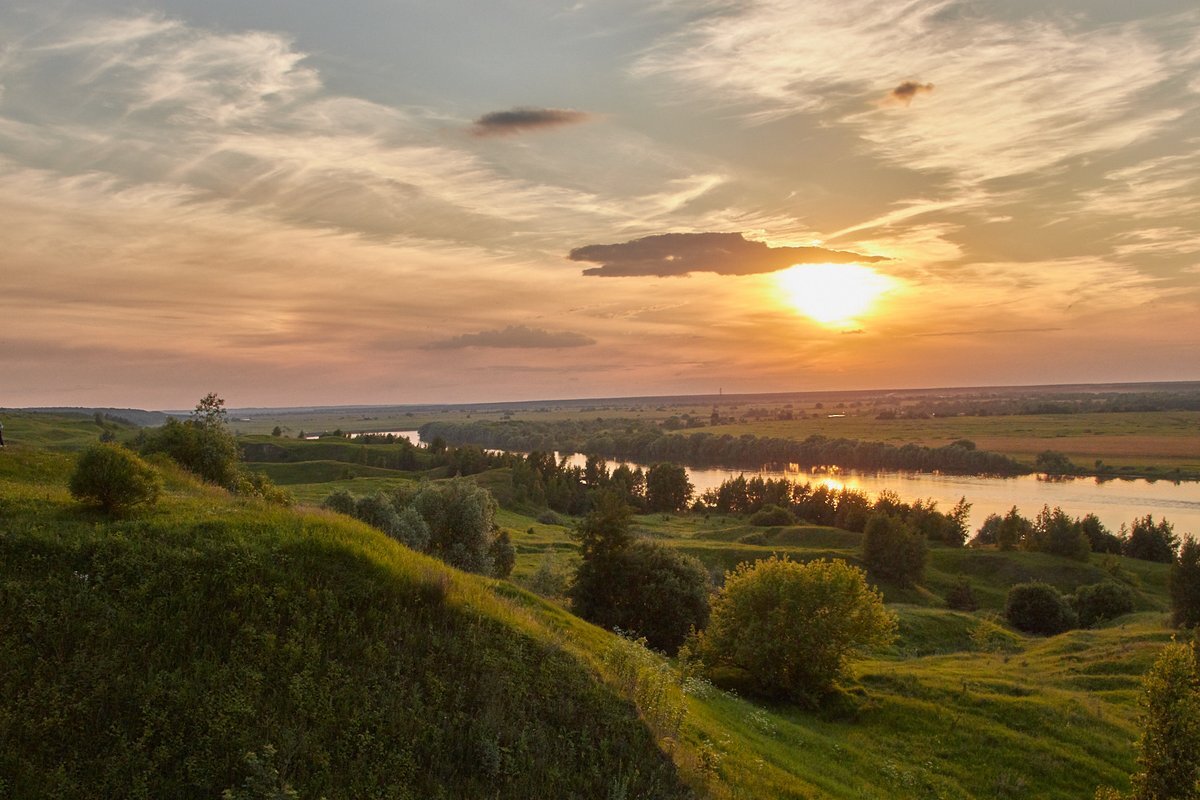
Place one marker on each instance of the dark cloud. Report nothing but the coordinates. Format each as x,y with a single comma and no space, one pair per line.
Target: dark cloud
519,120
723,253
906,91
514,336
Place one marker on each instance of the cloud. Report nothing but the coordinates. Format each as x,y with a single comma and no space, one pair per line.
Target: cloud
1014,95
514,337
906,91
667,254
520,120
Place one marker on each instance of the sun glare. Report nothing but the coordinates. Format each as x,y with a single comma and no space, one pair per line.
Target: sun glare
832,294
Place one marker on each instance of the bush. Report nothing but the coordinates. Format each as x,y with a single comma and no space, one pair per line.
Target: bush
1102,601
769,516
1169,748
504,555
1038,608
792,627
548,517
892,551
340,501
647,589
961,597
111,477
1185,586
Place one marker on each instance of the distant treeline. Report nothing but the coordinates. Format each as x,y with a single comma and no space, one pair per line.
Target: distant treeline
635,440
1073,403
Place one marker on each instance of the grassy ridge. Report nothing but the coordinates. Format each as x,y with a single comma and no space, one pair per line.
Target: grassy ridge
188,636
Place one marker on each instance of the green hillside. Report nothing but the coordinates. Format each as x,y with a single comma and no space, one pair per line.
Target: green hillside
191,634
146,657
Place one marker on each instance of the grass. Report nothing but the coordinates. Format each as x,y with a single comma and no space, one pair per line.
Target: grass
210,627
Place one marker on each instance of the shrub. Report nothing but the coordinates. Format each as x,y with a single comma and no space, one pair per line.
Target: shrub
548,517
1038,608
1101,601
411,530
504,555
647,589
961,597
340,501
892,551
549,579
1169,748
1185,585
792,627
111,477
768,516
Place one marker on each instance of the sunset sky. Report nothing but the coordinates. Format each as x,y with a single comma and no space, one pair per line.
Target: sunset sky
293,202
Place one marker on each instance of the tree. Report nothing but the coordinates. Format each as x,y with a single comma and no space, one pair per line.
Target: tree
989,531
504,555
892,551
461,517
647,590
605,529
116,480
668,488
1185,585
1151,542
202,444
277,431
1039,608
1100,538
640,587
1056,533
1014,530
1169,748
1102,601
793,628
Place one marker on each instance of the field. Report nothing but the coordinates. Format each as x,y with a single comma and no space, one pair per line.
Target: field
960,707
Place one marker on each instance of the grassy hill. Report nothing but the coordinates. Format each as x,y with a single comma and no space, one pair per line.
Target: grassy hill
192,634
146,657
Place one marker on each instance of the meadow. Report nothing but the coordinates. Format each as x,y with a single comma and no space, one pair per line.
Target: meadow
168,654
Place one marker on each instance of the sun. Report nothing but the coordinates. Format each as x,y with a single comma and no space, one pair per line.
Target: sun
832,294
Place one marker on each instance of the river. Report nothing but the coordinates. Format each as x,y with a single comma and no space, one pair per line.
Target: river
1115,502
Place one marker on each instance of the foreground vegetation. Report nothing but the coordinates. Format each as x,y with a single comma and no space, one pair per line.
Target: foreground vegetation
211,626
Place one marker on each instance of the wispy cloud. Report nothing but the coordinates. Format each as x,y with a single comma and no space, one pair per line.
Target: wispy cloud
670,254
522,120
515,336
1012,95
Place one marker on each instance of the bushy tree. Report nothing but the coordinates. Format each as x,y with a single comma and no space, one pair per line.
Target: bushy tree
503,554
793,628
109,476
668,488
1149,541
340,501
1100,538
989,531
202,444
640,587
961,597
1056,533
892,551
1039,608
769,516
1102,601
1014,530
461,517
1169,748
1185,585
411,530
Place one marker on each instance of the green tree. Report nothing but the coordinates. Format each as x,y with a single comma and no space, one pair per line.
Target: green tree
461,516
1039,608
1149,541
1169,748
793,628
668,488
1185,585
202,444
1102,601
893,551
1014,530
116,480
504,555
605,529
1056,533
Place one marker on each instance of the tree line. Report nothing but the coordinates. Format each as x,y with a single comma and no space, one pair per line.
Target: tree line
637,440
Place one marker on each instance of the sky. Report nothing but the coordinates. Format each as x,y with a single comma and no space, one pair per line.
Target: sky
292,202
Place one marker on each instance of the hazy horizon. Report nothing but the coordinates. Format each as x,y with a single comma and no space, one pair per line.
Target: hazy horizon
289,202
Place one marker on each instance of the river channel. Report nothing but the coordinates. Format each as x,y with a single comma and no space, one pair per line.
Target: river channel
1115,502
